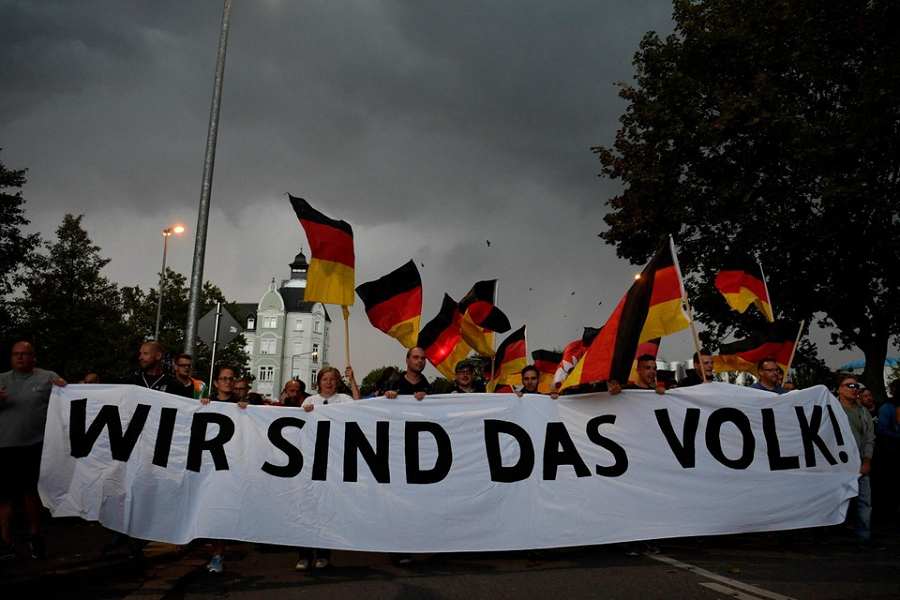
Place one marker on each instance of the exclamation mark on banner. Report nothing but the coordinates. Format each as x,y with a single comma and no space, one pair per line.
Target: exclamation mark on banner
838,436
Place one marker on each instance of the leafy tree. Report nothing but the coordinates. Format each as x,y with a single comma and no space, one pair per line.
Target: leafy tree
770,127
140,314
16,248
72,311
367,386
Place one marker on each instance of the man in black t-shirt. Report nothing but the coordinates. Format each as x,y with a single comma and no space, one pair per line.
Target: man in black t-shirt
411,381
151,374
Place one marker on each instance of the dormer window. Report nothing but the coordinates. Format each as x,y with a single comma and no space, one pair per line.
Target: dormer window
251,323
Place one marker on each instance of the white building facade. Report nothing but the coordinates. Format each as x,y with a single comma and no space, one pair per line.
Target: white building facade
287,337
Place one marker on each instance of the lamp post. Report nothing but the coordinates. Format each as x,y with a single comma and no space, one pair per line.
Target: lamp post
166,233
315,359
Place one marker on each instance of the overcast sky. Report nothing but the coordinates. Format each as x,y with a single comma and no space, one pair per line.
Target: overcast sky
431,127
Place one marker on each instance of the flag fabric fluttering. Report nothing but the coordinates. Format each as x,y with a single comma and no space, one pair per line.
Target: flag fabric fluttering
511,358
330,278
742,283
572,353
394,303
481,318
776,340
652,308
546,362
442,341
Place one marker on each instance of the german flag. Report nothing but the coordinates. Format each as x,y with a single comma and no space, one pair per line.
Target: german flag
652,308
650,347
546,362
481,318
511,358
394,303
442,341
573,352
742,283
330,276
775,341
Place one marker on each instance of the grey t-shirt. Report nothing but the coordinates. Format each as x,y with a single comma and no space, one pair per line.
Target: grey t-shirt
24,412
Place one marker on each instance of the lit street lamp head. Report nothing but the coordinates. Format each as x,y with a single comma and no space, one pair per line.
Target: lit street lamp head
175,229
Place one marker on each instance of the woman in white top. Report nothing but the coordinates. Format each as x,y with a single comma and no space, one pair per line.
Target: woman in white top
326,382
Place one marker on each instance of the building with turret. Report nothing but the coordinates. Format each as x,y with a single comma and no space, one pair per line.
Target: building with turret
287,337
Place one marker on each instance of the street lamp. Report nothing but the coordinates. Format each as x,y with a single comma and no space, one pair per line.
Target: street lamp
166,233
315,359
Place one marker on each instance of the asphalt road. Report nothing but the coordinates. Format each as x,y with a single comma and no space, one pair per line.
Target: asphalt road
820,564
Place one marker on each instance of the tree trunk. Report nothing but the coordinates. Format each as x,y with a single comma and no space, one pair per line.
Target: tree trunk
875,351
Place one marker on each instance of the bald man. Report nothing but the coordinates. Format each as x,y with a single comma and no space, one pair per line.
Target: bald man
151,373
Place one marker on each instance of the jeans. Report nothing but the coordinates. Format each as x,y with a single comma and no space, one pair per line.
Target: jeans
862,510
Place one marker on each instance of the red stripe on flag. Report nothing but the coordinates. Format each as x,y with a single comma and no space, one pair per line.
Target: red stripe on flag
402,307
665,286
329,243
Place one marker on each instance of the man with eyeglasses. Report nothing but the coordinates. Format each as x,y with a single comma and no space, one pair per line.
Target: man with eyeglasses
242,392
769,377
864,434
184,384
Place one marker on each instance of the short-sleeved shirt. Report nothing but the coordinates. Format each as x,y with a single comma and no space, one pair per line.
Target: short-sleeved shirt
160,383
24,412
318,400
402,386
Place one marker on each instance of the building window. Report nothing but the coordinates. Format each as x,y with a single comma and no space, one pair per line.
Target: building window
270,322
298,325
298,348
312,379
251,323
317,328
315,353
267,373
267,346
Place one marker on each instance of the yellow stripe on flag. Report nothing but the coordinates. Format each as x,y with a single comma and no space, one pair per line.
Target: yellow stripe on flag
329,283
406,332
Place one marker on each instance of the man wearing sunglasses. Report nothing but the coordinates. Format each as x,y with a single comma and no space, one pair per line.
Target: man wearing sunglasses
864,434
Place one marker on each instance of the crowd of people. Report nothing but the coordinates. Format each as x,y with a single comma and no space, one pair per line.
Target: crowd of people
25,392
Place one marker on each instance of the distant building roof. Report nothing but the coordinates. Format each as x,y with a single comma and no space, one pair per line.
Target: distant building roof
293,301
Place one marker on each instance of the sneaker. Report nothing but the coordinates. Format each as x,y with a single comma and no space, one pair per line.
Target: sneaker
320,563
216,564
302,565
7,551
36,547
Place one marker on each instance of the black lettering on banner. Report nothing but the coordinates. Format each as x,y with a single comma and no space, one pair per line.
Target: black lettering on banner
294,456
684,449
838,436
714,437
777,462
558,436
593,432
356,444
415,474
809,432
164,436
523,467
215,446
320,458
120,445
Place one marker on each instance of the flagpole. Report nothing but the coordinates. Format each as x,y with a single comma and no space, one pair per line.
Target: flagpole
687,308
346,310
793,351
766,287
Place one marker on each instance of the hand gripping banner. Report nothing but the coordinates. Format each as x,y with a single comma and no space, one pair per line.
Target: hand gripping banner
453,472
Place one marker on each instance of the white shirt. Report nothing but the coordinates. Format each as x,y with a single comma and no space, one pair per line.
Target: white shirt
318,400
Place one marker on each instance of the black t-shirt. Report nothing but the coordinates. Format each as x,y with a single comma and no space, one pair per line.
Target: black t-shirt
403,387
692,378
160,383
179,389
477,388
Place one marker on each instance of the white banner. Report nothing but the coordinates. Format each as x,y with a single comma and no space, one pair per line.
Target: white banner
453,472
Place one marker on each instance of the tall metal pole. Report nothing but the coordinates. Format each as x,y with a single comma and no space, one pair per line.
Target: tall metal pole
215,342
208,164
162,283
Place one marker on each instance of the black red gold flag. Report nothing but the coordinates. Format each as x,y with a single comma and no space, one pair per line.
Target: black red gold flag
330,278
481,317
394,303
442,341
776,341
652,308
742,284
511,358
546,362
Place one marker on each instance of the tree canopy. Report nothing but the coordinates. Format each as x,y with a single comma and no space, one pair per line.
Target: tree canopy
770,128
